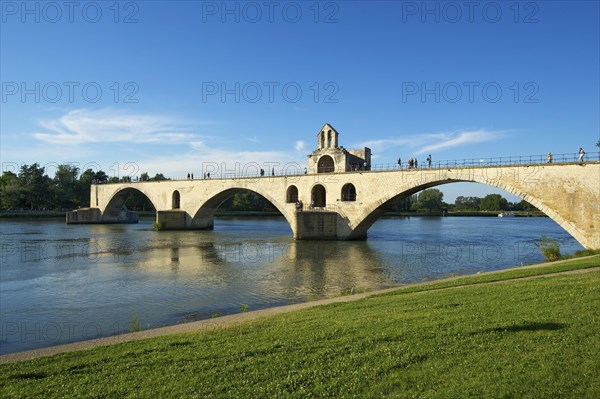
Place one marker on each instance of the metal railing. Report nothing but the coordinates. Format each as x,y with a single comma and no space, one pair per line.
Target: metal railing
325,208
495,161
422,164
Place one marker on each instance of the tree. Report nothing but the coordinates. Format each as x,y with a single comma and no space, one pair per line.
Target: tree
144,176
493,202
35,186
467,203
101,177
159,176
66,187
524,206
247,201
404,204
9,191
430,201
139,202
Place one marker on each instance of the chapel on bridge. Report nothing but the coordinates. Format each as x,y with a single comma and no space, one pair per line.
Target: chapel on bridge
330,157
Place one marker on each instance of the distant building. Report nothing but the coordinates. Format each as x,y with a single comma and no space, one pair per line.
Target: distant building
330,157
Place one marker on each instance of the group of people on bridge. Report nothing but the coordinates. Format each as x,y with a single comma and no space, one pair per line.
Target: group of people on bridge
413,163
581,155
190,176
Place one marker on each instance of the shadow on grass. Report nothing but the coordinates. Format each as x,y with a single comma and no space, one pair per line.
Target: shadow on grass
527,326
29,376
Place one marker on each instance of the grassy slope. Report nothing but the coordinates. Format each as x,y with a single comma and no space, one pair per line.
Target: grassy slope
535,338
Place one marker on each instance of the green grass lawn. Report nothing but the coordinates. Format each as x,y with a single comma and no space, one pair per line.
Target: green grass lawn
525,338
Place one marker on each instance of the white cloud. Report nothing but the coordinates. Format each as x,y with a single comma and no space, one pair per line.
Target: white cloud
86,126
457,139
108,125
429,142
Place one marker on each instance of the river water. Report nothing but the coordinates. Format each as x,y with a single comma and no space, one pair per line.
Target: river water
61,284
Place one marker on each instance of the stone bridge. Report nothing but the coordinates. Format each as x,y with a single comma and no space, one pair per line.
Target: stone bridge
346,204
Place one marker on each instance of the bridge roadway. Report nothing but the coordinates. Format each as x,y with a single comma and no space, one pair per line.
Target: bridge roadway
348,203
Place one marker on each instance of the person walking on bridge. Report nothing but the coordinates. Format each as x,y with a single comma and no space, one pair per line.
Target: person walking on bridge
549,157
581,154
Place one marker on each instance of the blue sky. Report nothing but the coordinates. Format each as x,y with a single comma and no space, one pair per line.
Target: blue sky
154,86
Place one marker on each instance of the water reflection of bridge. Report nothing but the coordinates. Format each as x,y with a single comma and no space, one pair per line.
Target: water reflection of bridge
288,269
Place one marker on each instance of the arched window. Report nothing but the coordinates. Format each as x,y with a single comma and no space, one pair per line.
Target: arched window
322,139
292,195
175,200
349,192
325,164
329,139
318,196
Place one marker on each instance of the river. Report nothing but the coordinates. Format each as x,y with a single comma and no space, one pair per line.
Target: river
61,284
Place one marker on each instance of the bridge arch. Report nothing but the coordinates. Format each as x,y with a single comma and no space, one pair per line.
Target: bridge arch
373,211
203,217
115,210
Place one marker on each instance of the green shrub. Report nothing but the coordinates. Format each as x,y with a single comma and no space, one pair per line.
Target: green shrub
158,226
586,252
550,248
134,324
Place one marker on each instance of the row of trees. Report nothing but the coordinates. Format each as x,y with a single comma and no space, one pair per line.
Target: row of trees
431,201
33,189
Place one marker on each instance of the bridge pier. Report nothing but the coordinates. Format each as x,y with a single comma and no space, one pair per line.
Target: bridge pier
325,226
84,216
95,216
172,219
316,225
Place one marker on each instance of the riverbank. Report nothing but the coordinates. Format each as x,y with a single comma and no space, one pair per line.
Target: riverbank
151,214
32,214
522,337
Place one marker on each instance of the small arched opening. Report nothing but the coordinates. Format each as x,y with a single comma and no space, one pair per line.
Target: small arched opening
349,192
318,196
175,200
291,195
325,164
